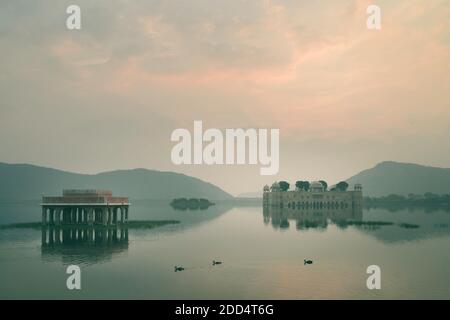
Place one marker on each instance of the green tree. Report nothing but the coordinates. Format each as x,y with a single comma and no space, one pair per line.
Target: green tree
342,186
430,195
302,185
325,184
284,185
395,197
306,185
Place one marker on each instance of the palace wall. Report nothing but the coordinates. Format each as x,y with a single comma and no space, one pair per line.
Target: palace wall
306,200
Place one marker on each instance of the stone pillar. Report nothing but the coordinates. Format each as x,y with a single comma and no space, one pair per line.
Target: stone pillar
126,214
44,215
90,216
104,216
52,216
122,214
110,215
58,216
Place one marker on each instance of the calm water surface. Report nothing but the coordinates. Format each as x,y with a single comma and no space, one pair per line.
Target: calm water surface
262,252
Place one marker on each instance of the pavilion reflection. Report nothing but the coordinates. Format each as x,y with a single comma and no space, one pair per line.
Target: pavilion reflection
281,218
83,245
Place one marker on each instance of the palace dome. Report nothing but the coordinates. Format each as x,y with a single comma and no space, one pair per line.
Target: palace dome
316,186
275,186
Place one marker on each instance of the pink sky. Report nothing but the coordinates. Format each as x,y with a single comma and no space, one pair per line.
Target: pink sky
343,96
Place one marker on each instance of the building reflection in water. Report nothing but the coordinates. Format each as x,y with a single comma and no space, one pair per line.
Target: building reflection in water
281,218
83,244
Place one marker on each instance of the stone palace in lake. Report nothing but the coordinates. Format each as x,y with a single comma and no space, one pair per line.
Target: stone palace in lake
315,198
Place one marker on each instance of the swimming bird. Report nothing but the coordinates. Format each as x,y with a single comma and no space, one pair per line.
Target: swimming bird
216,262
177,268
305,262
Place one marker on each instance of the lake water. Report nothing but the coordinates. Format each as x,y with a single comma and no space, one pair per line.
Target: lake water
262,253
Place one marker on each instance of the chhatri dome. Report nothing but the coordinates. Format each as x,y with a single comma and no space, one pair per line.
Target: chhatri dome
266,188
316,186
275,186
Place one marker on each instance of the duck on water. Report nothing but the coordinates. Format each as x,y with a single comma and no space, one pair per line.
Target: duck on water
177,268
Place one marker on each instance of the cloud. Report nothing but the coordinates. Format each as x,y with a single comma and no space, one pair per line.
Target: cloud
310,68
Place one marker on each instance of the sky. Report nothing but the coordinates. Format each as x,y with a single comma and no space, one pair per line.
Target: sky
108,96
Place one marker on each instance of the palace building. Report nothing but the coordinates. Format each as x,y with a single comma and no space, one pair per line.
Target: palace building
314,199
90,207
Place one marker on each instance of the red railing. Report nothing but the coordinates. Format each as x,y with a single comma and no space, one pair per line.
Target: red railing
75,200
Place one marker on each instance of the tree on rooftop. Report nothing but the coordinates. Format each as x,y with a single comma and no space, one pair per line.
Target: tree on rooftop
284,185
342,186
325,184
302,185
306,185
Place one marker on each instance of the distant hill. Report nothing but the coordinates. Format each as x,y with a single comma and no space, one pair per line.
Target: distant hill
29,182
402,178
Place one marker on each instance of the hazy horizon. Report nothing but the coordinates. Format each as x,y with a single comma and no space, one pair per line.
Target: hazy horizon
257,188
108,96
374,187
